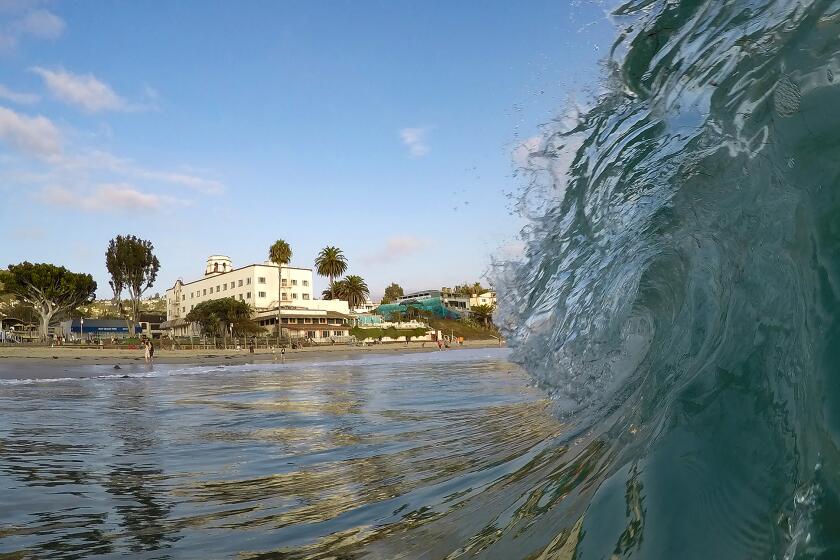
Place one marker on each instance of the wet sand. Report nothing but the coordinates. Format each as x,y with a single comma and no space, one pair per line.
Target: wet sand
24,362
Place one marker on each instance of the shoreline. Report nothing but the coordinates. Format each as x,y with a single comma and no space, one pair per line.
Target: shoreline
52,363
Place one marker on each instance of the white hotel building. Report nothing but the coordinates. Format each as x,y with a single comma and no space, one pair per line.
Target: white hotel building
256,285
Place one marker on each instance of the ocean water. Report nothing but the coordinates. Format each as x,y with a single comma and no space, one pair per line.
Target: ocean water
408,456
679,289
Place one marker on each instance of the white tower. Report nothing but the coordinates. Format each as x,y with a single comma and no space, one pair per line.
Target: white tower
217,264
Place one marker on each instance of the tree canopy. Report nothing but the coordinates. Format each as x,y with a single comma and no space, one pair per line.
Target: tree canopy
482,312
133,267
215,316
331,262
392,293
468,289
280,252
352,289
49,289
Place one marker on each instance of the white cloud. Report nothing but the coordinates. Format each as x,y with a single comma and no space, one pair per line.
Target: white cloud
98,160
36,136
41,24
18,97
108,197
206,186
395,248
82,90
415,140
27,22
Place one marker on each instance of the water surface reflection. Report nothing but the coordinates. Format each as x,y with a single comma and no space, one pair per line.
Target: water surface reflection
385,457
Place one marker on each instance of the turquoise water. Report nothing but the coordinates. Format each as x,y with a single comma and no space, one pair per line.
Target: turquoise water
679,292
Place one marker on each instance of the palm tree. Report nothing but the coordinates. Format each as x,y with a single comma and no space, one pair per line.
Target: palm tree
354,290
339,289
483,312
331,262
279,253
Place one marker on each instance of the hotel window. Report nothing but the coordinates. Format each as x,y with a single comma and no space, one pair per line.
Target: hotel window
191,295
310,334
240,283
261,294
322,321
283,282
217,289
294,296
285,320
308,320
325,334
306,282
211,289
225,285
184,309
248,281
337,333
184,297
205,291
294,282
293,320
261,280
305,296
191,307
283,296
241,297
248,296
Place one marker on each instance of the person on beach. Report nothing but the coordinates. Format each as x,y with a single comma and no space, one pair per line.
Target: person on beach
148,351
151,351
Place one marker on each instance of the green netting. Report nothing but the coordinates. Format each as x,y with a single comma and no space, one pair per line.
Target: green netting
434,306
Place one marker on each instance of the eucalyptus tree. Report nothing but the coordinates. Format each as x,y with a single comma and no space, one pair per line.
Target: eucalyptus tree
133,267
331,262
392,293
49,289
279,253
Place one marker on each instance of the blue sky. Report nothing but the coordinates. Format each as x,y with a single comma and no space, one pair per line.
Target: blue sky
385,128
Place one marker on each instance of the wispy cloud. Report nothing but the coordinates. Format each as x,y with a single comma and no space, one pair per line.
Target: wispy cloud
41,24
106,198
395,248
18,97
415,141
33,136
98,160
85,91
22,21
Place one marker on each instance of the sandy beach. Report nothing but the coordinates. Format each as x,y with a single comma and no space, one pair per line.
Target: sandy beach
38,362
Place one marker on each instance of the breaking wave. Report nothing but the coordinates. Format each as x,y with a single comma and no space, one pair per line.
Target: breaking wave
679,290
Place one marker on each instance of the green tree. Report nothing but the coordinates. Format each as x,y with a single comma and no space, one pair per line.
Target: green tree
468,289
392,293
218,317
331,262
353,290
50,290
483,312
280,253
133,268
